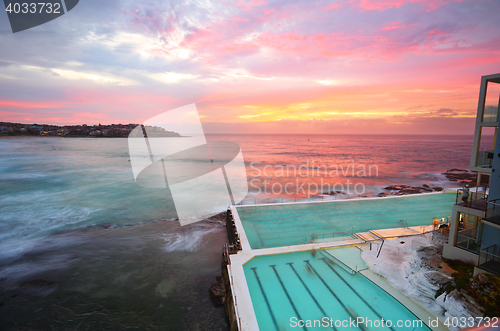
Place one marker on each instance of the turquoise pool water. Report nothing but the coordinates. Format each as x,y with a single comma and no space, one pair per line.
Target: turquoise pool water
286,225
293,287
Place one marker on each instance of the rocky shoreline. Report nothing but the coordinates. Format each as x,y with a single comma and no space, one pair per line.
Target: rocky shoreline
461,176
447,288
406,189
455,175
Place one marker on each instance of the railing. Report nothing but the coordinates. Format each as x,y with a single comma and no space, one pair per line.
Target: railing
380,249
487,254
488,260
324,235
464,240
473,196
493,208
405,224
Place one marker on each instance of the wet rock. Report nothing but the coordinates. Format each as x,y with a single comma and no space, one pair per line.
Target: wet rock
413,190
217,218
218,291
406,189
333,192
36,283
460,175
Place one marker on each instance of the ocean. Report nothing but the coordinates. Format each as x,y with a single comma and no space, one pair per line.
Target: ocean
82,246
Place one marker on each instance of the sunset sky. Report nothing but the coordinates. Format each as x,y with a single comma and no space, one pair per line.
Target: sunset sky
345,67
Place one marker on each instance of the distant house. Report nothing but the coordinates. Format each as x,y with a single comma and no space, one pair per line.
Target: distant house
475,222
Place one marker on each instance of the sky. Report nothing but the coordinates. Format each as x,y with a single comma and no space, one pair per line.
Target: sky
297,67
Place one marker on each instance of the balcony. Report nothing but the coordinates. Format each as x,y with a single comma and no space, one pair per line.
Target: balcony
488,261
466,240
493,212
476,200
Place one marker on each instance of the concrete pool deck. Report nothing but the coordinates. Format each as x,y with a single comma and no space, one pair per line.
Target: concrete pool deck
247,319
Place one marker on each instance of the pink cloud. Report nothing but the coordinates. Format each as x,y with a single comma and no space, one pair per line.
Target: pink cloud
239,19
332,6
247,6
30,104
393,26
381,5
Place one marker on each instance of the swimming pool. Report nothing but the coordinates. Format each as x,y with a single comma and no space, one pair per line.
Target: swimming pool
290,291
269,226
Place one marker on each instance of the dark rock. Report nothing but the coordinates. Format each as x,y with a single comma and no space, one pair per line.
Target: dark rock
426,186
334,192
218,291
455,170
36,283
410,191
437,189
460,175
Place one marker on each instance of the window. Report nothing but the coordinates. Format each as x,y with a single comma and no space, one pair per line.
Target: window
468,235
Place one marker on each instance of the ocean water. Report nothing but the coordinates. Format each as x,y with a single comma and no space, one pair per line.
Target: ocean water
295,167
83,247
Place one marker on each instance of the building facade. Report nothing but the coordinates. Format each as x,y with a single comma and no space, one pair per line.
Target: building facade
475,223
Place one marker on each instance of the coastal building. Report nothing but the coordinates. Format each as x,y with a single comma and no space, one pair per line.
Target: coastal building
475,223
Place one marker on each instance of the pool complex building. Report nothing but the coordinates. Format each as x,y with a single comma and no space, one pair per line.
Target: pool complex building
298,266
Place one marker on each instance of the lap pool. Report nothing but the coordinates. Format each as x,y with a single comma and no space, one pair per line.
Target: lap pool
286,289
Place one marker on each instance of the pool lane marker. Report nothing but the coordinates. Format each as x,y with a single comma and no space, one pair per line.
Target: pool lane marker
265,298
287,295
308,291
355,292
347,310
